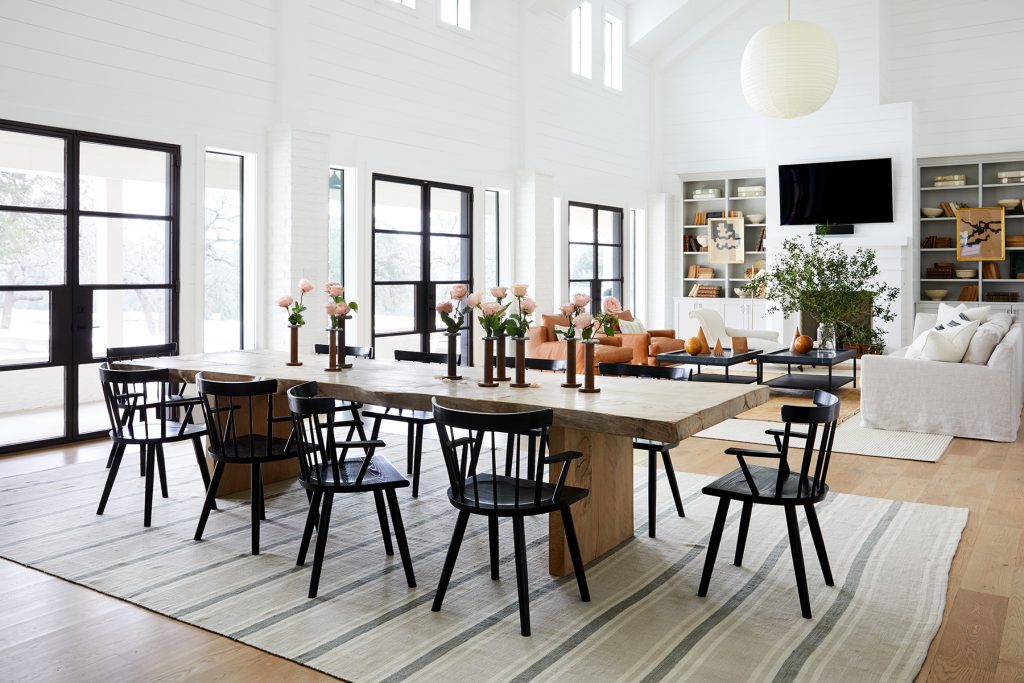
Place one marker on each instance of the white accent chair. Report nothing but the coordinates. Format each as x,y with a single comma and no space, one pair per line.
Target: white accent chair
715,328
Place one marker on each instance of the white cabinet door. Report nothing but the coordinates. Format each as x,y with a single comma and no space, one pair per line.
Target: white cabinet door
686,326
736,313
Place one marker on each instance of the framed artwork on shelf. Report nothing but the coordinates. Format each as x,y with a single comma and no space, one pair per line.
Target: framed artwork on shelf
725,240
981,234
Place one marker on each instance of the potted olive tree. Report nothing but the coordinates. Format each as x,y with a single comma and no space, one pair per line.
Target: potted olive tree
838,288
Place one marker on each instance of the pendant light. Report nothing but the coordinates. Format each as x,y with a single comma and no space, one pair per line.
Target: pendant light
789,69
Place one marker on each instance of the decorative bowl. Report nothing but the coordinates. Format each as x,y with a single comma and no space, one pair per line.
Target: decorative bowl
755,218
739,291
931,212
1009,204
936,294
966,273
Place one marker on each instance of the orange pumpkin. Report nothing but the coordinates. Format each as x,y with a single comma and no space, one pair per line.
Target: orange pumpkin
692,346
802,344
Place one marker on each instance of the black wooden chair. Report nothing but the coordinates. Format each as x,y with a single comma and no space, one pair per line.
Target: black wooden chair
352,406
755,484
479,487
653,448
354,351
243,439
323,472
415,420
548,364
176,399
137,406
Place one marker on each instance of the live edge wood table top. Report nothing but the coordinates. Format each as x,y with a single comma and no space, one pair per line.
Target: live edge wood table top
599,425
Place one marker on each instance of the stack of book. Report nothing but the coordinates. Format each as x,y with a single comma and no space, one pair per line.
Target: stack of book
700,272
760,241
690,244
707,193
1008,177
706,291
969,293
990,271
1015,240
940,271
1003,297
953,180
700,218
750,191
735,214
933,242
949,208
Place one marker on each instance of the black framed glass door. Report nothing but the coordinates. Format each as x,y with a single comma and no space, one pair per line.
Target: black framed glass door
595,252
88,259
422,245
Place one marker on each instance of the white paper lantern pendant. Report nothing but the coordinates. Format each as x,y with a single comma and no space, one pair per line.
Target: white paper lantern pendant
789,69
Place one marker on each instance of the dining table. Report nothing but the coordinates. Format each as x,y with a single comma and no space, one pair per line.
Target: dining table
600,425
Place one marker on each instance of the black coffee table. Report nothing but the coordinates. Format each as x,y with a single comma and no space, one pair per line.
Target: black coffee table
803,380
727,359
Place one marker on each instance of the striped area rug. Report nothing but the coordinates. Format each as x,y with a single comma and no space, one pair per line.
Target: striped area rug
891,562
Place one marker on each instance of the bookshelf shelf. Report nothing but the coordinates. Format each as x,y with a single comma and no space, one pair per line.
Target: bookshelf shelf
952,188
708,199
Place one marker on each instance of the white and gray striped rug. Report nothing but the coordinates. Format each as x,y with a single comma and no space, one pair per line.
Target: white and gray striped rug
891,562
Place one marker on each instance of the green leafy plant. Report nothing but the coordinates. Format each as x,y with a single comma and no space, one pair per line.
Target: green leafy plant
836,286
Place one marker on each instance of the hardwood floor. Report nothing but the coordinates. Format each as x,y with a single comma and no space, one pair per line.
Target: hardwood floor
52,629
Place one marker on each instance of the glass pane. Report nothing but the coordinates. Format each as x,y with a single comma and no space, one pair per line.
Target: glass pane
92,414
609,262
31,405
396,257
397,206
439,343
222,300
581,261
581,224
122,251
446,211
335,225
128,317
491,238
24,327
385,347
31,170
447,256
611,288
394,309
31,249
581,287
123,179
609,227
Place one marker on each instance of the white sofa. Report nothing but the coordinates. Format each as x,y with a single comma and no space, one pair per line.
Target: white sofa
959,399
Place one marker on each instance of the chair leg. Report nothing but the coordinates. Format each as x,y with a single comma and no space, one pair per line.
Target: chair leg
142,461
522,575
311,520
819,543
741,542
110,458
382,518
403,544
150,466
798,561
492,533
321,543
263,495
574,553
652,493
204,470
670,474
410,437
713,543
116,454
449,560
417,456
254,504
211,495
162,469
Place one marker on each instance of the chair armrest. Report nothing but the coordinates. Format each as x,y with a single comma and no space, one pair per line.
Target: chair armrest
464,441
375,443
671,334
566,458
752,453
782,432
562,457
604,340
640,343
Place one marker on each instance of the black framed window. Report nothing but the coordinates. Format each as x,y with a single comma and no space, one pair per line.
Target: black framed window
223,264
492,238
595,251
336,225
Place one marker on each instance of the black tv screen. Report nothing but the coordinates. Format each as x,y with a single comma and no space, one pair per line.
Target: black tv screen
836,192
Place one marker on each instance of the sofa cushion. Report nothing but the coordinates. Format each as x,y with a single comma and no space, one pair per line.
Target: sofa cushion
988,336
550,321
631,327
947,313
947,345
626,315
666,345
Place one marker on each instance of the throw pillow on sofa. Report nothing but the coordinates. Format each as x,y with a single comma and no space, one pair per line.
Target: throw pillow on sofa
947,313
987,338
631,327
947,345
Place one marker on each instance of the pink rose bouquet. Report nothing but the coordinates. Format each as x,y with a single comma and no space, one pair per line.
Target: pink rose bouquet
518,323
580,320
491,312
296,308
453,312
342,307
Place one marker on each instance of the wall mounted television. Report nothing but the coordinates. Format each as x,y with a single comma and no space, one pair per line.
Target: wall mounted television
836,192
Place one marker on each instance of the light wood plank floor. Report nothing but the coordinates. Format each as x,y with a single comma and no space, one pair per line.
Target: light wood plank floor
53,630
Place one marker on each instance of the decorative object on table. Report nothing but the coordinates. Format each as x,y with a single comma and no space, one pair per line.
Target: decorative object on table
703,339
491,318
936,294
453,315
1009,204
931,212
718,350
725,240
337,309
585,325
588,367
802,344
740,345
499,293
295,310
517,326
693,346
966,273
789,69
980,234
837,287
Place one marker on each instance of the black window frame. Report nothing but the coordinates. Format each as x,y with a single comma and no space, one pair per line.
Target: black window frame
241,241
595,282
341,192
